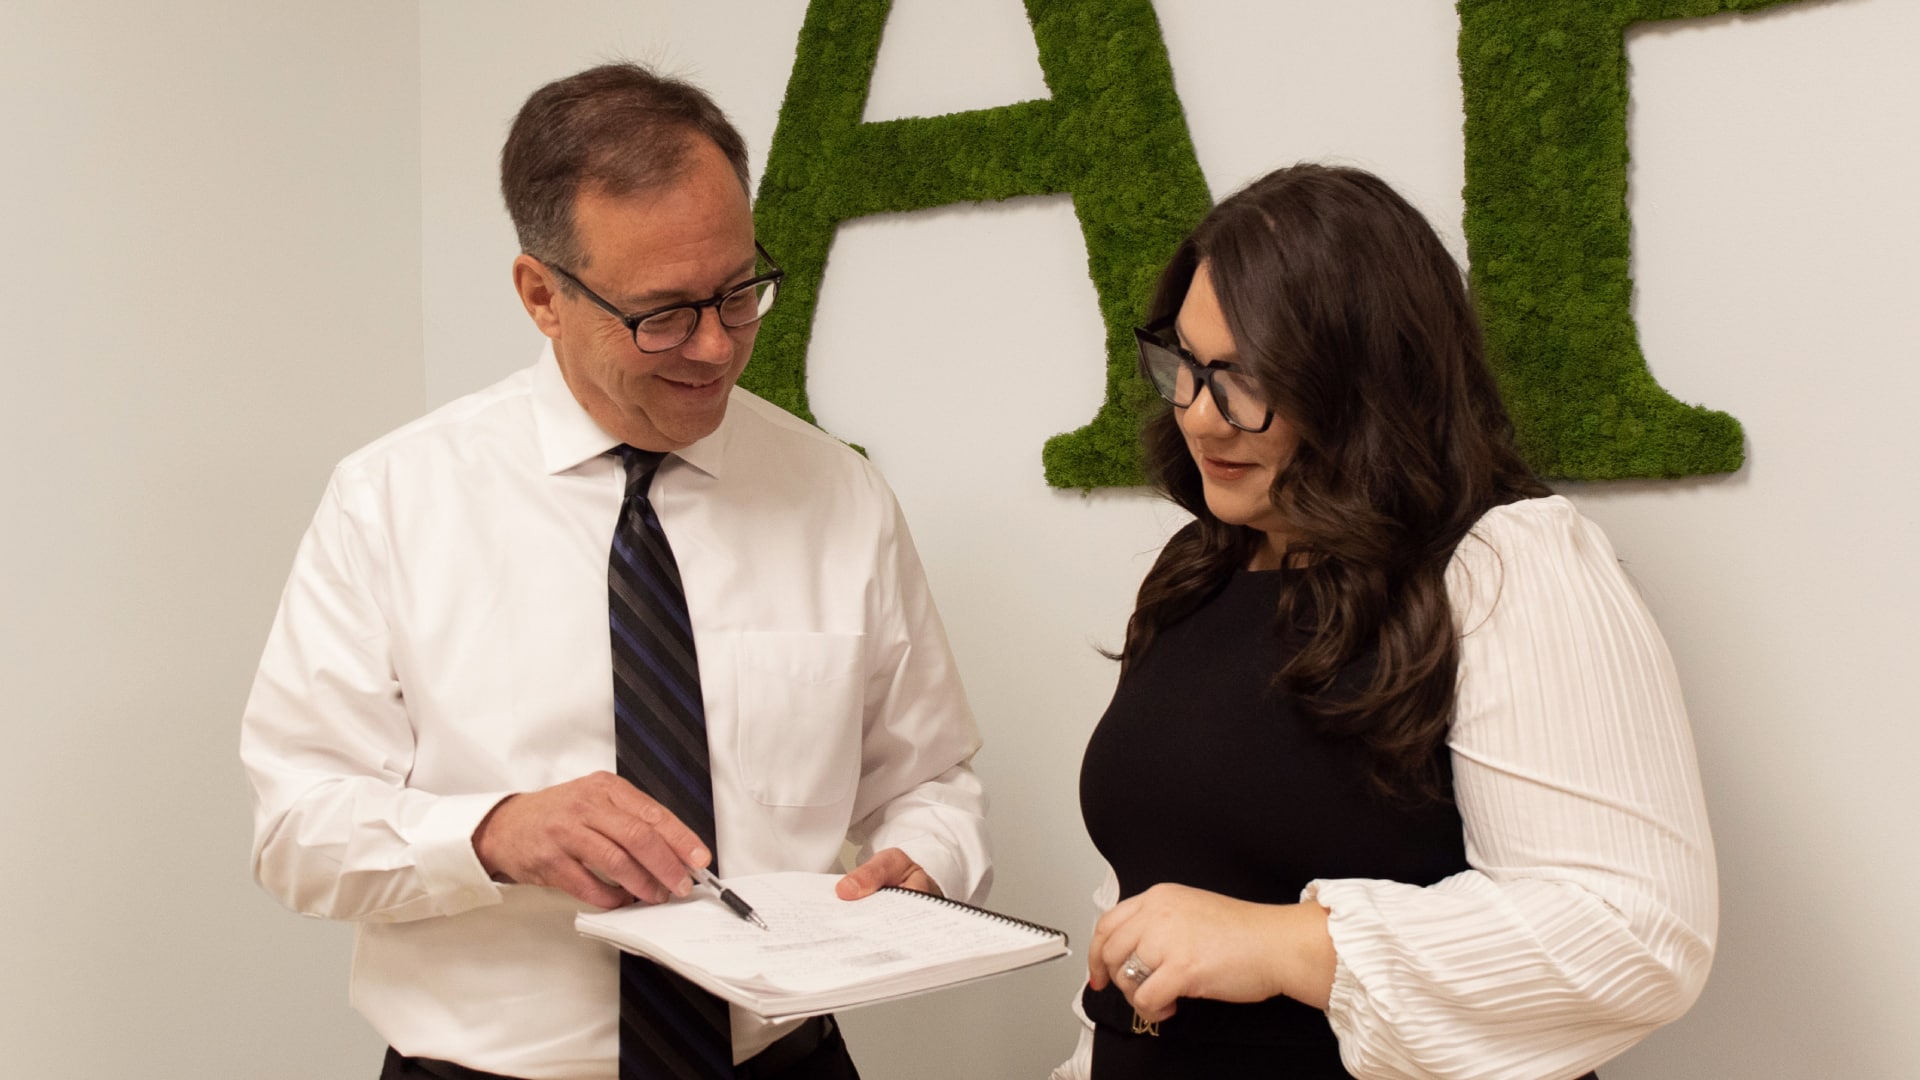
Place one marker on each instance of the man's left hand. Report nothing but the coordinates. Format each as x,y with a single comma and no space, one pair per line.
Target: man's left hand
889,867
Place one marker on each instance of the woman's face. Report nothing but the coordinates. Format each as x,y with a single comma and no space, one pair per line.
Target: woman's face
1237,467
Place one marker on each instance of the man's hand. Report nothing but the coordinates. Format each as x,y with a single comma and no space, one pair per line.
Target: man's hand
597,839
889,867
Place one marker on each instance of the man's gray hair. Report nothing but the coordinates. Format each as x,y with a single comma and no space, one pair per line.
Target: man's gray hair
615,129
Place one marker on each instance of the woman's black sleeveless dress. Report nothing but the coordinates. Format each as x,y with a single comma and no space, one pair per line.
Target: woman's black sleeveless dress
1201,773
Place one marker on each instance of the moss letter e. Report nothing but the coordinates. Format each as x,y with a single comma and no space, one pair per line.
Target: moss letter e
1545,84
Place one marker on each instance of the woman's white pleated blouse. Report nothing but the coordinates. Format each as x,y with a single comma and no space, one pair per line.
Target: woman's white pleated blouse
1589,914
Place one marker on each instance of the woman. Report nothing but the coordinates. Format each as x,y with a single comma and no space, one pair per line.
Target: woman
1397,779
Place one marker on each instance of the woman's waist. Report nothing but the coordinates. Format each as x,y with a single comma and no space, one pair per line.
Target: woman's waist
1277,1021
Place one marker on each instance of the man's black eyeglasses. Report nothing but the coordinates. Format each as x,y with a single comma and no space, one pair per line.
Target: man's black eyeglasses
668,327
1178,376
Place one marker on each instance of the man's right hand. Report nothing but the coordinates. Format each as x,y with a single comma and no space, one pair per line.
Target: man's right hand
598,839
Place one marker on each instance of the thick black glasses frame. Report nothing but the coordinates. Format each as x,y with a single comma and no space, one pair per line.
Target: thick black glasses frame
1154,336
632,322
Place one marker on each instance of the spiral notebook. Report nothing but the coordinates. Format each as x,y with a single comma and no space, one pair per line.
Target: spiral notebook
820,953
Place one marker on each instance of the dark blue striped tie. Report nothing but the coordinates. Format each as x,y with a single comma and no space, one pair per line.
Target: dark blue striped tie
668,1026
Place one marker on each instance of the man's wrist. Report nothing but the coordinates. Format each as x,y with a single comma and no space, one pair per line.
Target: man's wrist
481,846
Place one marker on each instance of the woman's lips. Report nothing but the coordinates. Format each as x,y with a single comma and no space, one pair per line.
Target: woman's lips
1222,469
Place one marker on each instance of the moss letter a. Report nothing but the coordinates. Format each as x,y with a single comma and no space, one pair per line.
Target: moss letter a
1112,134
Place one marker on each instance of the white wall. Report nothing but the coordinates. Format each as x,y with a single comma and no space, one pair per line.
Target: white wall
210,292
1775,164
236,230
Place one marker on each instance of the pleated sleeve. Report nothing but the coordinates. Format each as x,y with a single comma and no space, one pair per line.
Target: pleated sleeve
1589,915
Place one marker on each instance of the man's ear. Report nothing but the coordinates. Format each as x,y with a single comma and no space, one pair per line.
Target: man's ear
539,291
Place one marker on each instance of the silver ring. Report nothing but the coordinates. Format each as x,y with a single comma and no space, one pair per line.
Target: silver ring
1136,969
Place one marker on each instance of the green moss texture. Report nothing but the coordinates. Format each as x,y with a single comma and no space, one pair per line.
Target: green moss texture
1545,89
1548,238
1112,134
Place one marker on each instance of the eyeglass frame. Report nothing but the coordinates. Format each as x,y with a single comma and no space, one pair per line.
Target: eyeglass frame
1153,335
632,322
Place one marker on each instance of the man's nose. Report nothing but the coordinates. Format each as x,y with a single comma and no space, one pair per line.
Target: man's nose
711,342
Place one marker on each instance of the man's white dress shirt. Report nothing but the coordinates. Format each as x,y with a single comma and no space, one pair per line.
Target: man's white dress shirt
443,643
1589,915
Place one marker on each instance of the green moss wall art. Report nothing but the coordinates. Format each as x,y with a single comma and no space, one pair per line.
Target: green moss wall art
1113,134
1546,215
1548,239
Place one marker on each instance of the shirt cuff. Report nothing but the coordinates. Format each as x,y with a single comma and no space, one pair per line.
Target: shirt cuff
942,864
442,842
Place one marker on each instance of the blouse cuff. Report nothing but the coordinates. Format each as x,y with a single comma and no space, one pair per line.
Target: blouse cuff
1343,1002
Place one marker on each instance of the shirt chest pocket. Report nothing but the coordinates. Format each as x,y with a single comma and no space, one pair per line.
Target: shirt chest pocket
798,738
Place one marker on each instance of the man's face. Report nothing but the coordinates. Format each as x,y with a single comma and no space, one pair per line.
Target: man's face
687,241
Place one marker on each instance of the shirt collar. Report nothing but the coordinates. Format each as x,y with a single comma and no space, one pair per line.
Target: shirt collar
569,437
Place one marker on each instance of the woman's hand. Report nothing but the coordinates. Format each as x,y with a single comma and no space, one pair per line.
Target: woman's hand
1204,945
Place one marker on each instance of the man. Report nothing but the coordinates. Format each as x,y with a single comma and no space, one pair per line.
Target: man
613,557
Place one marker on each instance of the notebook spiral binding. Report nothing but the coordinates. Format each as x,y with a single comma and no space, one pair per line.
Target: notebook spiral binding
987,912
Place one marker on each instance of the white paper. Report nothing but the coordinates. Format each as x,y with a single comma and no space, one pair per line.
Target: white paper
814,940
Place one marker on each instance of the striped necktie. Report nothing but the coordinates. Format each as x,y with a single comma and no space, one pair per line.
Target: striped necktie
669,1028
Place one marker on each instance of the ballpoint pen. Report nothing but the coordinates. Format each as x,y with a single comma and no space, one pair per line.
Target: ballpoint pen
727,896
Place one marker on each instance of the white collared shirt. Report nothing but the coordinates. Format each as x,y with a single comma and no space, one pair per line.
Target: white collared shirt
443,643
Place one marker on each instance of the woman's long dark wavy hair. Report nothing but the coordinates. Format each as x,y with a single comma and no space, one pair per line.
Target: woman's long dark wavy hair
1354,318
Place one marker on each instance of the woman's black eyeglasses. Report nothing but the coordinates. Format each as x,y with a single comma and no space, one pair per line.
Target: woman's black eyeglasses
1178,376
